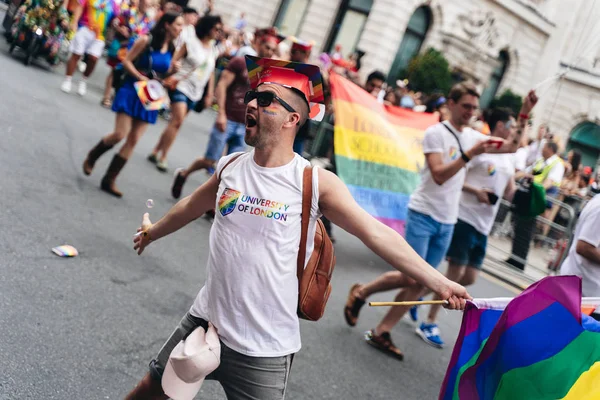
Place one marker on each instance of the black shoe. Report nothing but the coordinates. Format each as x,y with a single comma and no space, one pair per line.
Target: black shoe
515,263
178,183
152,158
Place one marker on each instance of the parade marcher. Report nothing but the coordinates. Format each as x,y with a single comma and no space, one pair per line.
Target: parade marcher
547,171
150,56
583,259
90,20
229,127
251,293
186,87
135,20
51,16
433,207
489,177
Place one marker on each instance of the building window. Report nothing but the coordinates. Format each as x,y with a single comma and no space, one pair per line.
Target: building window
585,137
290,16
413,39
492,87
349,24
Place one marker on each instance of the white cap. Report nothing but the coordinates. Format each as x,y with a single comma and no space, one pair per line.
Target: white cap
190,362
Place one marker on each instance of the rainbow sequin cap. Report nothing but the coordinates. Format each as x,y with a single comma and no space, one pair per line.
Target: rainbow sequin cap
304,77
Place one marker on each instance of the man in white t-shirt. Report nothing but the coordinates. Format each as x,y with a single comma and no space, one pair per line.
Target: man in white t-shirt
489,177
433,208
251,291
583,259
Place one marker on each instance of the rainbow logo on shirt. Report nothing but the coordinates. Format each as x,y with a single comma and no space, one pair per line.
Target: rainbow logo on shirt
228,200
491,169
453,153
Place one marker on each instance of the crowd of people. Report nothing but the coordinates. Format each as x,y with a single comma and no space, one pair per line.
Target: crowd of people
472,161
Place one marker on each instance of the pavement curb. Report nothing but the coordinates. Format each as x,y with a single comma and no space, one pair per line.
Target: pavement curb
508,275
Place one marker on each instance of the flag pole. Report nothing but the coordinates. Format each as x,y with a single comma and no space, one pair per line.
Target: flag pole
405,303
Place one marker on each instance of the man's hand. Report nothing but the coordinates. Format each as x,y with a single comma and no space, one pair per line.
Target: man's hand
141,240
480,148
221,122
455,294
529,102
482,196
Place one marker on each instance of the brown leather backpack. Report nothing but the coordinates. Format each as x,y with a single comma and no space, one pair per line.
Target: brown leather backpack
314,280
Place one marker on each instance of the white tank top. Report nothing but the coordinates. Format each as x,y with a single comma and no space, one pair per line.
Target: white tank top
251,290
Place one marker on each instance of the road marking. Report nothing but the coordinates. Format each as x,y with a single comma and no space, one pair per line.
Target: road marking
498,282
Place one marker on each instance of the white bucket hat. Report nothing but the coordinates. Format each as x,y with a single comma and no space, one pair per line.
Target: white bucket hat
190,362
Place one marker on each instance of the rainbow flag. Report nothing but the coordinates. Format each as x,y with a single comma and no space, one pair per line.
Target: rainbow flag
539,346
378,150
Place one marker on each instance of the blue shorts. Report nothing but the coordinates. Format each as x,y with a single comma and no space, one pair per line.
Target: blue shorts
429,238
468,246
233,137
178,97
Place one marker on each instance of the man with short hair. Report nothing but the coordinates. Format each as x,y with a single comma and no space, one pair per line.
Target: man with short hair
433,207
229,127
90,20
547,171
251,291
375,82
583,259
489,177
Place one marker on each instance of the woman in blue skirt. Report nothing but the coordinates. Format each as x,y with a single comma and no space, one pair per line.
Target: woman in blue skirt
149,58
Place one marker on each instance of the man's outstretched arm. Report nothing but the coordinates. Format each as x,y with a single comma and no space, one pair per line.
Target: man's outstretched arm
337,204
185,211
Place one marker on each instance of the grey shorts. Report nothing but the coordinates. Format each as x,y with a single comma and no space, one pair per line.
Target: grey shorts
242,377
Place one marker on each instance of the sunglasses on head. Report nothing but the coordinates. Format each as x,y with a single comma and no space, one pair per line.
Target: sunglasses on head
264,99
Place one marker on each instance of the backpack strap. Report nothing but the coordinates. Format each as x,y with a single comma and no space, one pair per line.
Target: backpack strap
226,165
305,218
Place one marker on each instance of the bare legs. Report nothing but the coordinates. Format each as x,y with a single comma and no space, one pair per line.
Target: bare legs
179,111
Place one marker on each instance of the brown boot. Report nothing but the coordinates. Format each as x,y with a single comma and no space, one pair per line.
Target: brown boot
108,182
147,389
94,155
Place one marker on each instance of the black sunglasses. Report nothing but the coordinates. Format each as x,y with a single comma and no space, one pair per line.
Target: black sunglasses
264,99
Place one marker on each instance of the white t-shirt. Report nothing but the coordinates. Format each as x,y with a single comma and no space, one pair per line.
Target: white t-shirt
196,68
440,202
251,290
587,231
489,171
188,32
521,159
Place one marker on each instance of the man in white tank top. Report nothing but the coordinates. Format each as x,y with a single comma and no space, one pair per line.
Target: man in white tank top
251,292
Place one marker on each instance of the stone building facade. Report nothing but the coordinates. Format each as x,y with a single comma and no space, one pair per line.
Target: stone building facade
498,44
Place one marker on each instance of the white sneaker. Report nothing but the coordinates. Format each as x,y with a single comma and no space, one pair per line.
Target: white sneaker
66,86
82,89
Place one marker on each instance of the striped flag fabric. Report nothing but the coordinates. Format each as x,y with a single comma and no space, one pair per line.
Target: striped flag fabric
538,346
378,151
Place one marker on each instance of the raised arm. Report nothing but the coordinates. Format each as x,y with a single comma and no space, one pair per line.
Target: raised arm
185,211
337,204
511,144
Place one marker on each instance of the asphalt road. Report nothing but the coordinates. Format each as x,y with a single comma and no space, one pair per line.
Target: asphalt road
86,327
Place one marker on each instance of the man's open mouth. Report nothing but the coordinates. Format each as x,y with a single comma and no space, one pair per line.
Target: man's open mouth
250,121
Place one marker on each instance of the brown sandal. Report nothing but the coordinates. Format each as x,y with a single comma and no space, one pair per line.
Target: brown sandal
384,343
353,306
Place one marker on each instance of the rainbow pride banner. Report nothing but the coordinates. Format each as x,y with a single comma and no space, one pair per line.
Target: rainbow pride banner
538,346
378,151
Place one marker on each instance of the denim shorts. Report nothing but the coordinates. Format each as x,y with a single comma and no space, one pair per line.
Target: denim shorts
429,238
178,97
242,377
468,246
233,137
